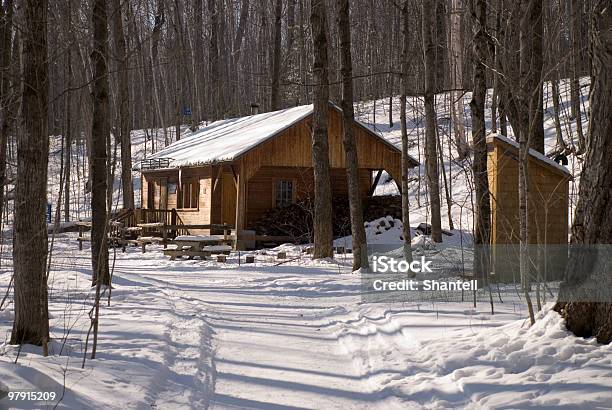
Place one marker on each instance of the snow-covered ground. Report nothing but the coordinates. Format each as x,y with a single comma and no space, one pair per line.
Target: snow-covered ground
293,333
202,334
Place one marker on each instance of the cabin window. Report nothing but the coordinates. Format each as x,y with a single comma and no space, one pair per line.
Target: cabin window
172,188
189,194
284,193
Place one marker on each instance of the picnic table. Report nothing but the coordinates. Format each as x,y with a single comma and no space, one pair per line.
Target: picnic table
200,246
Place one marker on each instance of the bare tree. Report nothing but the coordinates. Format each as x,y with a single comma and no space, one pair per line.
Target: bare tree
69,124
31,325
322,220
593,220
99,133
431,151
529,15
123,86
7,91
478,11
198,64
276,57
456,65
360,259
213,61
576,33
536,66
405,157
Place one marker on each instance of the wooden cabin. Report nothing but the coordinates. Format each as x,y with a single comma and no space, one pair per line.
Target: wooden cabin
548,204
234,170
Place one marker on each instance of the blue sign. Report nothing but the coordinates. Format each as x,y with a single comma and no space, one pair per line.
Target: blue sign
186,110
48,213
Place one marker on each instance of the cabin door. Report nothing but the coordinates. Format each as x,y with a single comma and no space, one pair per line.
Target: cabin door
163,193
151,194
228,199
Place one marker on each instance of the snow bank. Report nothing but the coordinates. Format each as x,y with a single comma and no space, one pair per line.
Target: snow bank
386,230
512,366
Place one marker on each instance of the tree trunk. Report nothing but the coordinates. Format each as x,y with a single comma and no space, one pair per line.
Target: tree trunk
100,131
160,19
525,124
561,147
213,62
276,57
456,63
405,157
593,220
576,31
431,151
244,16
198,61
320,146
479,165
500,82
124,106
180,63
68,150
360,258
7,106
536,117
31,324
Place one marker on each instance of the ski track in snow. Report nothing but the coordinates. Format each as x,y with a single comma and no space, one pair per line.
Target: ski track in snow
198,334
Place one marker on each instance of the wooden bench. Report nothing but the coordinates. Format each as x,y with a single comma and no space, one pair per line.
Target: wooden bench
190,251
178,253
143,241
82,239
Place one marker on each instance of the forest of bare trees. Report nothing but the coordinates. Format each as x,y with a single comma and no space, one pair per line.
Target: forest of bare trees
93,71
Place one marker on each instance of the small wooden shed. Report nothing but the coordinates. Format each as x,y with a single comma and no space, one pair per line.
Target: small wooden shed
234,170
548,202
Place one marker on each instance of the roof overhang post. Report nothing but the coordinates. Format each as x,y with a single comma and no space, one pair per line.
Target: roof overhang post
375,183
241,204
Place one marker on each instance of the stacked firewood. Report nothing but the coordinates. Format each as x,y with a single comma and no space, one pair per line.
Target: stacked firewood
379,206
296,220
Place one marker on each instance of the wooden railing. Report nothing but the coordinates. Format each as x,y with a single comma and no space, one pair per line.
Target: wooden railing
171,225
134,217
155,163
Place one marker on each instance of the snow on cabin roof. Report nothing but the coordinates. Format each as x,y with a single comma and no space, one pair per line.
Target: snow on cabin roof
532,152
226,140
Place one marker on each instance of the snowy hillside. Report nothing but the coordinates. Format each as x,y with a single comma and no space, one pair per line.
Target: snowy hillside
458,181
375,114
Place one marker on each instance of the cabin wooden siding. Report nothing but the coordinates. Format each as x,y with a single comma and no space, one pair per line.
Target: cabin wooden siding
548,197
293,148
161,180
261,187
